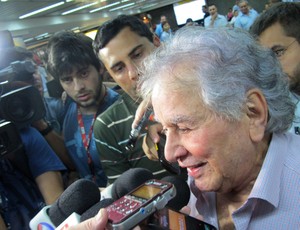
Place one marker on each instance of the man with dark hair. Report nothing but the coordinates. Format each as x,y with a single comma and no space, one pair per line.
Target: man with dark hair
206,14
73,63
278,29
122,44
215,20
159,27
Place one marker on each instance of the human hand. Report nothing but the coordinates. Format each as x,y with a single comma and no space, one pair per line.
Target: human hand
97,222
213,17
144,105
150,141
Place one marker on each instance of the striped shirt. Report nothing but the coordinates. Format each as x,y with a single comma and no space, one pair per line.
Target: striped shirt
111,133
274,202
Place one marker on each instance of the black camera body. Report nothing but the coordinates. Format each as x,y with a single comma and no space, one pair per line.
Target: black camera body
22,106
19,107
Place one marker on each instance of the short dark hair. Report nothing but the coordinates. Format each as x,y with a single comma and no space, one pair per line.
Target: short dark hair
189,20
110,29
287,14
66,50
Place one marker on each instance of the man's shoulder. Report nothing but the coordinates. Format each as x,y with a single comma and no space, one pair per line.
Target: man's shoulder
207,18
118,110
222,17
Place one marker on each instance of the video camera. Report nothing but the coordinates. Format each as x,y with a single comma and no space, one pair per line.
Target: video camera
19,107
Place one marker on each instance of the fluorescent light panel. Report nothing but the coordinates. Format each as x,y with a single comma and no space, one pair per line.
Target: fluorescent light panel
79,8
104,7
148,6
130,7
41,10
120,7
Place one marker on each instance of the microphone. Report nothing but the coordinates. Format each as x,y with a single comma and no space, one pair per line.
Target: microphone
135,132
130,180
182,196
42,220
77,198
92,211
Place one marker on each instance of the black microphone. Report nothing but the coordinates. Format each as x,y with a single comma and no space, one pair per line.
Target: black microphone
130,180
78,197
134,134
92,211
182,196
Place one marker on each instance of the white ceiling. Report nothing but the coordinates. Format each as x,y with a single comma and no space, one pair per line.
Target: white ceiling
52,20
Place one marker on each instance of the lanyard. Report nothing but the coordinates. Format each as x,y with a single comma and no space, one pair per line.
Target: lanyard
87,140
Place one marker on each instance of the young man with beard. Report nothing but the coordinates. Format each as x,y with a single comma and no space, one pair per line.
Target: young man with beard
122,44
278,29
74,64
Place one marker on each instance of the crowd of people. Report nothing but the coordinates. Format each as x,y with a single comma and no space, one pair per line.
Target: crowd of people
225,95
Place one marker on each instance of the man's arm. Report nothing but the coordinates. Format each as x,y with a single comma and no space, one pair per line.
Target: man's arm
2,224
50,185
44,165
56,142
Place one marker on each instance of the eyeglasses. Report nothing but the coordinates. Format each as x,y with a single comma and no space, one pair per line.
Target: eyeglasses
173,168
279,52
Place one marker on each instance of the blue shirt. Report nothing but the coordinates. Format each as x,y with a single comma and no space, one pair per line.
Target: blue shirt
245,21
55,112
41,157
296,122
74,144
159,30
20,196
220,21
165,36
274,200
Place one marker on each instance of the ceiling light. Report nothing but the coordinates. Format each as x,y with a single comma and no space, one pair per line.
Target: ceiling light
120,7
79,8
130,7
28,40
41,35
148,6
41,10
104,7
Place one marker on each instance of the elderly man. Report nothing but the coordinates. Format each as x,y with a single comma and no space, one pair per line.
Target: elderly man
225,112
246,16
230,135
278,29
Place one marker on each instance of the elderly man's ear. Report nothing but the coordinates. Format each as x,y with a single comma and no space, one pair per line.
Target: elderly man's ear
257,112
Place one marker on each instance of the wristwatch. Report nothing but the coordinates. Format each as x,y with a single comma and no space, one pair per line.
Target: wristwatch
47,130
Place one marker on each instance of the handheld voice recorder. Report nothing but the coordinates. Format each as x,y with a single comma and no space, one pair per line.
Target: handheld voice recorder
140,203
